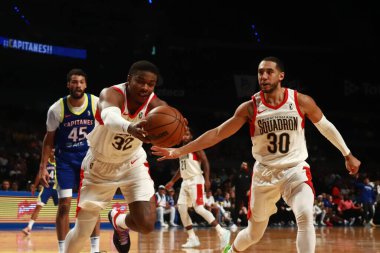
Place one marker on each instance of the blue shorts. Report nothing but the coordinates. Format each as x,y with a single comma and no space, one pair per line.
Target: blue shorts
46,194
68,169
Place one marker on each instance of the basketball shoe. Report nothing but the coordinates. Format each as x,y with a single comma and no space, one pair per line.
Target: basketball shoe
121,238
227,249
224,238
191,242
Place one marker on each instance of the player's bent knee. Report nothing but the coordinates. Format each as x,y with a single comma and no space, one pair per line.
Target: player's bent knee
199,209
304,215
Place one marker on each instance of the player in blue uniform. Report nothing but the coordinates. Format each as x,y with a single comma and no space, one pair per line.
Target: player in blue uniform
45,194
69,121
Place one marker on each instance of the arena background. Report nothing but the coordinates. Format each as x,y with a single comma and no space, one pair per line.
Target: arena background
207,52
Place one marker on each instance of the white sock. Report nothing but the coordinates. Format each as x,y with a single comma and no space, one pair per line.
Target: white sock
120,221
30,224
219,229
191,233
61,246
94,244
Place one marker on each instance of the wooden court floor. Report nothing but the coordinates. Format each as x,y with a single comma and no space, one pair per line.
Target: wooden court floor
329,240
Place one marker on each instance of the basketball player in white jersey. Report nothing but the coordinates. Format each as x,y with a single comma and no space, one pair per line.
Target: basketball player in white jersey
116,159
191,168
276,116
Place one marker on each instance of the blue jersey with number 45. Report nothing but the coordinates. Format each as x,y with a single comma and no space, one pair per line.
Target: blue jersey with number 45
74,127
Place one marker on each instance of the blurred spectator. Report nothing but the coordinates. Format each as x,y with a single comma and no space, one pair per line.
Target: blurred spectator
14,186
225,210
171,198
5,185
367,197
321,205
218,196
335,192
163,207
242,216
317,213
242,186
211,205
329,207
284,215
348,210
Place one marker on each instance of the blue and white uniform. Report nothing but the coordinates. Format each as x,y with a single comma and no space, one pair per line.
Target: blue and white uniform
51,192
71,126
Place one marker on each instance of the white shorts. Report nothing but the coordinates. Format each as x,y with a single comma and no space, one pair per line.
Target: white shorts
192,191
101,180
268,185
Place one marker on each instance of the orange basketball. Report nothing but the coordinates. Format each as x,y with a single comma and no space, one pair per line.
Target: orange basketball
165,126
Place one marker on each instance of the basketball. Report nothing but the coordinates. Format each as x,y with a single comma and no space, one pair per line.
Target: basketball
165,126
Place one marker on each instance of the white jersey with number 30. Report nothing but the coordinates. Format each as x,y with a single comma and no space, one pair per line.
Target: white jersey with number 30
277,133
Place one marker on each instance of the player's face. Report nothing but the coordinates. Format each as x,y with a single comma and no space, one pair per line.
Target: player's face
187,137
77,85
244,165
269,76
141,85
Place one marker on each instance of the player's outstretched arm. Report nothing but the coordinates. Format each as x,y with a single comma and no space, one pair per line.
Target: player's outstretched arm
242,114
327,129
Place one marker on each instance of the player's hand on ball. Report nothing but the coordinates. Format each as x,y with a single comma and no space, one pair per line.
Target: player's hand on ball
137,130
165,153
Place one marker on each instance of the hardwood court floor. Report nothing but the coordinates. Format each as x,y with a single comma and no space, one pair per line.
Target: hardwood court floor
329,240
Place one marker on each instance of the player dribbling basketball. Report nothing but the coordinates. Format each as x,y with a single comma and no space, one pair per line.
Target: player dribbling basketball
116,159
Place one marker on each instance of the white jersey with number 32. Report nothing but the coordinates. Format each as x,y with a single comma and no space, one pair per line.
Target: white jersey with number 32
111,147
277,133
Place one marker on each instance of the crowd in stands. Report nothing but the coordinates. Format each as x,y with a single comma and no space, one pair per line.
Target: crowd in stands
350,202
